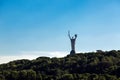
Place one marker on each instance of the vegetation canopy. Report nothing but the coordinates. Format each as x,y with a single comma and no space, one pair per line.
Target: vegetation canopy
99,65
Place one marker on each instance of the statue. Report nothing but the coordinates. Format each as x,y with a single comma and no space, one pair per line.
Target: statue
72,39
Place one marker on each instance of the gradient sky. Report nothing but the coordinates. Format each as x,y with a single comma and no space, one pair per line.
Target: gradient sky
42,25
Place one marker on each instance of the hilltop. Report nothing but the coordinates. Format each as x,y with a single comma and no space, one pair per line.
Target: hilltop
100,65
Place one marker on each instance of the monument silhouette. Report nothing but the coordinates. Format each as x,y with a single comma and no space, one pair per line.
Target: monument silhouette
72,39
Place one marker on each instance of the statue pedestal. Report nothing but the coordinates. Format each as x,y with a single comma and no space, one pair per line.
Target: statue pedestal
72,52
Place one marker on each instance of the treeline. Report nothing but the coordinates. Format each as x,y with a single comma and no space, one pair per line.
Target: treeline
99,65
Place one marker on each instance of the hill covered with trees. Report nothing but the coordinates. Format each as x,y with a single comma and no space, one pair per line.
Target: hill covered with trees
99,65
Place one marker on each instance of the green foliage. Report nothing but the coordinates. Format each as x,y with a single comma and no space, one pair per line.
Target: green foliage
67,77
97,65
2,77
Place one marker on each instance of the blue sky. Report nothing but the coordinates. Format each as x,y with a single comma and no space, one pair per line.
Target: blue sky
42,25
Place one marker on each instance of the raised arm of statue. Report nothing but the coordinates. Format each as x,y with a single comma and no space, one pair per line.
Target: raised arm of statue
69,34
75,36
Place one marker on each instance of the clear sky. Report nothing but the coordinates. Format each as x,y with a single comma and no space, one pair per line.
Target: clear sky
39,26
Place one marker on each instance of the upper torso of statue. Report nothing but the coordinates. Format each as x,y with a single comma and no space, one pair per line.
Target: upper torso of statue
73,40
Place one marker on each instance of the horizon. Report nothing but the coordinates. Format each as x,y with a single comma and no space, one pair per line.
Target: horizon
39,27
7,59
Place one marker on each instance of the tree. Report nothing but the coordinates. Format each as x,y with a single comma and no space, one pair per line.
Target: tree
31,75
67,77
14,75
2,77
23,75
38,76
